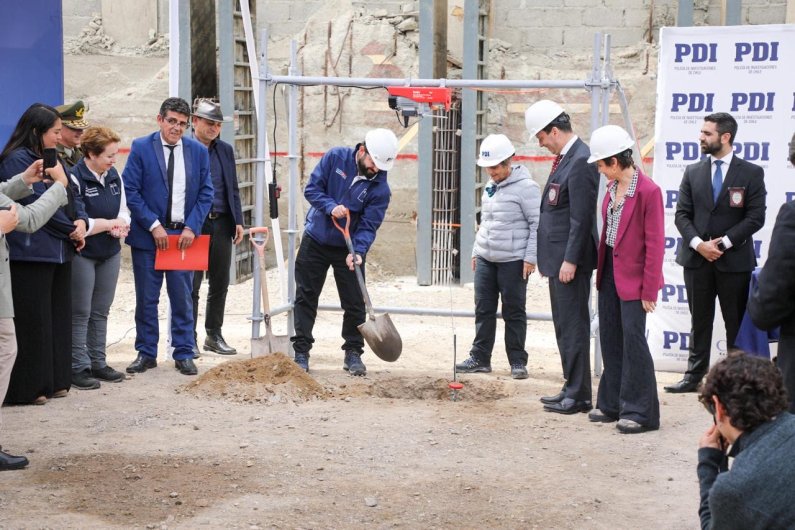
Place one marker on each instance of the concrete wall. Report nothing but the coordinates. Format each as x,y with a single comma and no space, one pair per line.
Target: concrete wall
527,25
116,17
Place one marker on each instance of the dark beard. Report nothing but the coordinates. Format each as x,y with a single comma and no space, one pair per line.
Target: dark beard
363,170
710,149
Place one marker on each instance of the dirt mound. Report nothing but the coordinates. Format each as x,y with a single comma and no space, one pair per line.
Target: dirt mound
425,388
272,378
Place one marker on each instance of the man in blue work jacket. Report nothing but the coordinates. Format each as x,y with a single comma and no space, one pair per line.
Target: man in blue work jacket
346,180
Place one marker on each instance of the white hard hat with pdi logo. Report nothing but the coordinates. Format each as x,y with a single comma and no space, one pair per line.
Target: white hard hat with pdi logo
494,149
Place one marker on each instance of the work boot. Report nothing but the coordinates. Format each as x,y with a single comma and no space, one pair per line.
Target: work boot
216,343
106,373
302,360
353,363
84,381
472,365
518,371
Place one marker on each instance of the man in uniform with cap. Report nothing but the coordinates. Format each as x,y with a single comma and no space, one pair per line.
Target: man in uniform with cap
224,224
74,123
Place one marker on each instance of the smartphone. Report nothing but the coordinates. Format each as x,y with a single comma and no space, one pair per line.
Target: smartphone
50,157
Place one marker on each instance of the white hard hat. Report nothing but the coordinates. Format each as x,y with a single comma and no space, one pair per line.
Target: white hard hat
608,141
382,144
540,114
494,149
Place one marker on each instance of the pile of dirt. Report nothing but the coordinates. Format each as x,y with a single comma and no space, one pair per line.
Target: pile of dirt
268,379
418,387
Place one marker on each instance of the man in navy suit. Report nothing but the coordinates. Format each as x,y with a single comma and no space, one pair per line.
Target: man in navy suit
721,206
169,192
224,224
567,241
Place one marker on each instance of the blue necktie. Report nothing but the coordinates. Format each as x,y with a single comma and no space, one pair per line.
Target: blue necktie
717,181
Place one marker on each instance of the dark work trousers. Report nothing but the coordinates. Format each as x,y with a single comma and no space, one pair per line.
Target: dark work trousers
572,320
703,284
220,231
504,281
628,387
311,266
43,319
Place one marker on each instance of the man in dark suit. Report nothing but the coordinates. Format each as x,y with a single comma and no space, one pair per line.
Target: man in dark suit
567,240
169,191
224,224
771,305
721,205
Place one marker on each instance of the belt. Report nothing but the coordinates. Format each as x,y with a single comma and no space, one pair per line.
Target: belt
215,215
174,226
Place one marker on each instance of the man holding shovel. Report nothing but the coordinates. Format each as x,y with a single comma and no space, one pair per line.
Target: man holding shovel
346,181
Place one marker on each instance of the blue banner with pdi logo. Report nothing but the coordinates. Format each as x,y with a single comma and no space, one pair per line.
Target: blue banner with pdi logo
746,71
31,59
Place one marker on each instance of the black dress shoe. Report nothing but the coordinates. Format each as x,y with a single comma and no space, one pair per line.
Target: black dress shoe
186,366
9,462
557,398
568,406
141,364
685,385
215,342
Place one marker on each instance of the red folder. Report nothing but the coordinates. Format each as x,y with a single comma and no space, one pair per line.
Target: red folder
193,258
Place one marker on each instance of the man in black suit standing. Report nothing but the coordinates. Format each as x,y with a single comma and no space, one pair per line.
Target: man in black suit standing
721,205
224,224
567,240
771,305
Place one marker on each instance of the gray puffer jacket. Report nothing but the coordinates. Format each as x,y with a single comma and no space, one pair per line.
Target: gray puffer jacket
509,219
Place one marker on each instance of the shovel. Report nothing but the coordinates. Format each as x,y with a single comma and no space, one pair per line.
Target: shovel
379,331
270,343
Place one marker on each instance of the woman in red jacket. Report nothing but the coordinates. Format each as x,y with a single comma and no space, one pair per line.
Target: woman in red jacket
628,277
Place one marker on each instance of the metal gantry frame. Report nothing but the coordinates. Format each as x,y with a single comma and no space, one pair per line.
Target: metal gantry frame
600,83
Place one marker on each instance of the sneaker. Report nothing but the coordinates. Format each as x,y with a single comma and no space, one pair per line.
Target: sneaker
84,381
518,371
106,373
472,365
302,360
353,363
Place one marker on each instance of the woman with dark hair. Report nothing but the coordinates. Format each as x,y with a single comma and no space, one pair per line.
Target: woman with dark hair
41,270
96,270
628,277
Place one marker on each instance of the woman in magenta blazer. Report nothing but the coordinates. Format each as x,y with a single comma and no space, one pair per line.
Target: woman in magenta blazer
628,277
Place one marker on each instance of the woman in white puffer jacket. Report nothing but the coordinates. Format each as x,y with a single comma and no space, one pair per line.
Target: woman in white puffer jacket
503,257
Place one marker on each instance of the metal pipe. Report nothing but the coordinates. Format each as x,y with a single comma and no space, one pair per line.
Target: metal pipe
596,107
397,81
433,311
292,227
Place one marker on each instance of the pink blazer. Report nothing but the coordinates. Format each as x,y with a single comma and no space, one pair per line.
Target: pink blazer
640,243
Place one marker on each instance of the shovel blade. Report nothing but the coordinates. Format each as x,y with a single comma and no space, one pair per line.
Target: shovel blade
265,346
382,337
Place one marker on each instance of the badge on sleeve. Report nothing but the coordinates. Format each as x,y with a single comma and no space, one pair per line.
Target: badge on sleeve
736,197
553,194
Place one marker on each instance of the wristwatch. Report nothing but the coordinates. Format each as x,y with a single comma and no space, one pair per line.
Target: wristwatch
721,246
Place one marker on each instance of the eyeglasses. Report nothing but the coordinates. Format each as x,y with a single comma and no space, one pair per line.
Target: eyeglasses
175,122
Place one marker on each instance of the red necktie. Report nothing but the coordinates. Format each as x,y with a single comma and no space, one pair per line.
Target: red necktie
555,164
